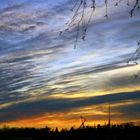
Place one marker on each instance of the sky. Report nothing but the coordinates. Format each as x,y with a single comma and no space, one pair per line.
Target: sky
45,81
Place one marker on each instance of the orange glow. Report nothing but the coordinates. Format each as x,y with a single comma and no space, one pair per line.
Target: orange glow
94,115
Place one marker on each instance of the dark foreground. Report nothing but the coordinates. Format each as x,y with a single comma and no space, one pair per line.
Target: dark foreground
115,132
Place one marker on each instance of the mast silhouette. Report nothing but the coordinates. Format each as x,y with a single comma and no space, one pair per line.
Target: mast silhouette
83,120
109,117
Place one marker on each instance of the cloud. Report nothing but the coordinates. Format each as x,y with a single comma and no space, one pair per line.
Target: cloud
36,62
129,112
38,107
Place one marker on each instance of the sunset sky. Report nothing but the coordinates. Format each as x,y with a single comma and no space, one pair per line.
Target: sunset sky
45,81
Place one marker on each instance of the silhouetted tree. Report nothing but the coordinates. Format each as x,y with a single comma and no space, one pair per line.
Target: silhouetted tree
79,14
116,132
81,22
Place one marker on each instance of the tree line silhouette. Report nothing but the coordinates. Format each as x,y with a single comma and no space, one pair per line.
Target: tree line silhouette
127,131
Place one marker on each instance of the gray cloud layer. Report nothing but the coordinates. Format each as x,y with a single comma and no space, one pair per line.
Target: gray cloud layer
33,108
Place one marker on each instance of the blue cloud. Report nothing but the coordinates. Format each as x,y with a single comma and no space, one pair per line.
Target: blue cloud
36,62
